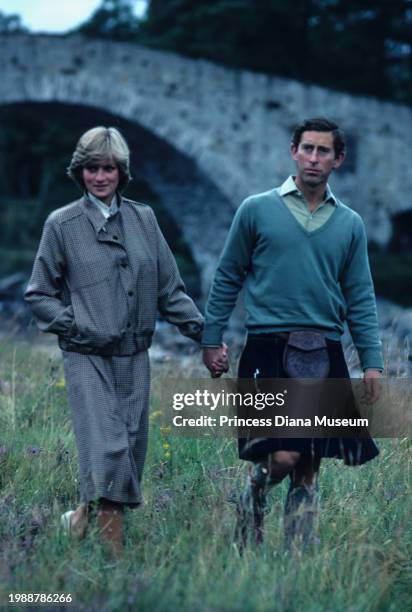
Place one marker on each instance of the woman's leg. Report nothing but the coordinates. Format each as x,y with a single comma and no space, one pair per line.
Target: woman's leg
75,522
110,521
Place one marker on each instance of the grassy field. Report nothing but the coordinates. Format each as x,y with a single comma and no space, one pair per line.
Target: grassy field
179,553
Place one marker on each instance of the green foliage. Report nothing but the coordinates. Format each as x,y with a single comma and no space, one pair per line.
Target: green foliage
35,152
11,24
114,19
361,47
179,552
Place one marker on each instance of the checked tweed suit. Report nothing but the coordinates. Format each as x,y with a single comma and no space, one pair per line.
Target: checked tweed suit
98,285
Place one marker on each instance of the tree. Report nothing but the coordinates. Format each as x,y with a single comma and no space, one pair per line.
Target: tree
364,46
11,23
114,19
358,36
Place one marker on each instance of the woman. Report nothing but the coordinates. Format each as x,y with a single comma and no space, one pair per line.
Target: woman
102,271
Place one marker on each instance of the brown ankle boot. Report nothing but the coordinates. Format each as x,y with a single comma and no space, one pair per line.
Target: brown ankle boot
110,524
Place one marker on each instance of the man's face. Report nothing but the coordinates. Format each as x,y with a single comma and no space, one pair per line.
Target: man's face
102,179
315,157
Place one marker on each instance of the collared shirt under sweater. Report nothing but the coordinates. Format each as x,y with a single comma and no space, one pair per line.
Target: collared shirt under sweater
295,278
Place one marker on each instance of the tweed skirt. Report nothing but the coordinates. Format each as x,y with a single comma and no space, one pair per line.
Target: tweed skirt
109,401
265,353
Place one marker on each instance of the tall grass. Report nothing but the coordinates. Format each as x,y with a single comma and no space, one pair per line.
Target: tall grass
180,553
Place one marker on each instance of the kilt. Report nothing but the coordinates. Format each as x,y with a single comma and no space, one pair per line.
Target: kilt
109,401
265,353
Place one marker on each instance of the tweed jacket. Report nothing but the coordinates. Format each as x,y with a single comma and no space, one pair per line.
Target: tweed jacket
98,283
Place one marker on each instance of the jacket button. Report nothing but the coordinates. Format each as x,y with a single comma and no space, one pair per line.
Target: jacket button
130,293
129,325
115,238
123,263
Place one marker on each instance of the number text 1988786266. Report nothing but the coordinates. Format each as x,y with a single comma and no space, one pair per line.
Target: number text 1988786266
19,598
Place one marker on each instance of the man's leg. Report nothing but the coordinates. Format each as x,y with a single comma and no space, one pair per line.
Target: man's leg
251,506
301,504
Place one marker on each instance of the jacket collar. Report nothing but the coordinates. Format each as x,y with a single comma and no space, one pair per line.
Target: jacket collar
93,213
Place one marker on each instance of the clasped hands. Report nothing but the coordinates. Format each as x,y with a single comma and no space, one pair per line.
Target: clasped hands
216,359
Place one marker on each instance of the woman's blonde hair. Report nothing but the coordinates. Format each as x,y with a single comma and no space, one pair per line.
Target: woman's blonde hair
96,146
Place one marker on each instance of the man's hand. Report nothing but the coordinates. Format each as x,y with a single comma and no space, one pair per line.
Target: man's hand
373,385
216,360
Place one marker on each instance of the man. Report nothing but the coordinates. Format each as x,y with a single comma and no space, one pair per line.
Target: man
301,256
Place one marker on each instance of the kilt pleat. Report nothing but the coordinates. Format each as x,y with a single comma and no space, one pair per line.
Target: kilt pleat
265,353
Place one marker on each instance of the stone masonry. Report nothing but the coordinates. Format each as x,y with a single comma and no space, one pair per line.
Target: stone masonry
234,125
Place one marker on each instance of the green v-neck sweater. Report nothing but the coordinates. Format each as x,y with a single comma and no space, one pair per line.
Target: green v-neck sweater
295,279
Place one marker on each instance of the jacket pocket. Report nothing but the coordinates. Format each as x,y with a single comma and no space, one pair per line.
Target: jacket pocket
87,275
99,311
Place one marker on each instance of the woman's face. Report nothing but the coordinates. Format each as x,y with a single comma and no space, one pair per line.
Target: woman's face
102,179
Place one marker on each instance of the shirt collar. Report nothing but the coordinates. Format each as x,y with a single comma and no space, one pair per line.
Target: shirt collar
95,214
289,186
107,211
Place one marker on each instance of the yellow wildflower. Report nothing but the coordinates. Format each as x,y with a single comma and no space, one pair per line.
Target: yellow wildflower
60,384
156,413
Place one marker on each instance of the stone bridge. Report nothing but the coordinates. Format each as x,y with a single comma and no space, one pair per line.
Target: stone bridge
214,135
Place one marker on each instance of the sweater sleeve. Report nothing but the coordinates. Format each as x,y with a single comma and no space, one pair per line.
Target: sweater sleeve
358,290
231,272
173,302
45,286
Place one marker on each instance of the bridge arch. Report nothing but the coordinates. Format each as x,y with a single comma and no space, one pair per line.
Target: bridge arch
234,125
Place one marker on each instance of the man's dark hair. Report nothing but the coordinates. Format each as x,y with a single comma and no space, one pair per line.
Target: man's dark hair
320,124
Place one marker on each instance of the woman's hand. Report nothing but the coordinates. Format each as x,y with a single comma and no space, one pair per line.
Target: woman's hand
216,359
